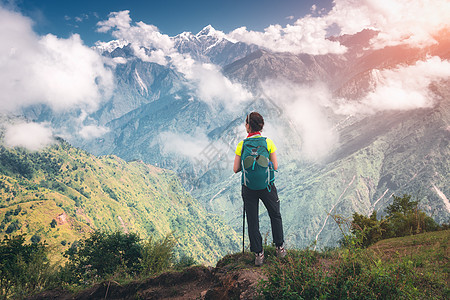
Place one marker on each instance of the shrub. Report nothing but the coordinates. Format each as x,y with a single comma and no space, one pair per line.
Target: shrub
299,278
15,225
110,192
402,205
369,230
16,162
53,223
157,255
17,210
185,262
358,275
102,254
24,268
35,239
403,217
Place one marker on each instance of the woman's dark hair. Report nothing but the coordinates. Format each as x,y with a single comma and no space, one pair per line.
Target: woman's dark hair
255,120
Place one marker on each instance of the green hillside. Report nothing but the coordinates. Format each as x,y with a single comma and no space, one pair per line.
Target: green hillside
61,193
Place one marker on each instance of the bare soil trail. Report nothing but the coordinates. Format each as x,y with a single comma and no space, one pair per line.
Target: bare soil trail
234,277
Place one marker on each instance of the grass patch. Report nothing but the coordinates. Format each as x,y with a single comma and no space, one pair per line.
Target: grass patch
413,267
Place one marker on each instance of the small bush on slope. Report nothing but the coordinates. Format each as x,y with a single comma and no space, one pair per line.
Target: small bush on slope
403,217
24,268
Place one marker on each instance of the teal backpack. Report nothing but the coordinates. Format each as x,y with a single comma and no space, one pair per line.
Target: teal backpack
257,171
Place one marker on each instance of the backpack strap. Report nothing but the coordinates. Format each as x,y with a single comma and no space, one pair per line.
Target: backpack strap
244,172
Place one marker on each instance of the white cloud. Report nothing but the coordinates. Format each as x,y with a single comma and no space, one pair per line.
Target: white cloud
146,41
92,131
211,86
85,126
402,88
413,22
182,143
196,147
32,136
61,73
120,20
208,82
304,106
113,62
307,35
118,61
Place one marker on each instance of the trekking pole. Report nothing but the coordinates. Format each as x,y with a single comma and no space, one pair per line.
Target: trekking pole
243,229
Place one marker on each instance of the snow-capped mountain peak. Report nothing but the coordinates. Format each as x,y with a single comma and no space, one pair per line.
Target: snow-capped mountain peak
209,31
110,46
187,36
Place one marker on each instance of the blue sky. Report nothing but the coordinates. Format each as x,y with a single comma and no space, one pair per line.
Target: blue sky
63,18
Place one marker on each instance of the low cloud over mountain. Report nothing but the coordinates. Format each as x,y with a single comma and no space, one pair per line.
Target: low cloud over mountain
62,74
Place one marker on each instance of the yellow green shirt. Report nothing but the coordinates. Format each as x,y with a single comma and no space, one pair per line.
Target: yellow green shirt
270,146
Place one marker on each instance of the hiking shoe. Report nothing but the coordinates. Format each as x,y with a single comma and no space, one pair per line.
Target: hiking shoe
281,251
259,258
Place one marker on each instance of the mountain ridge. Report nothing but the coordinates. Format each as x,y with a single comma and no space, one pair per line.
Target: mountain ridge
78,192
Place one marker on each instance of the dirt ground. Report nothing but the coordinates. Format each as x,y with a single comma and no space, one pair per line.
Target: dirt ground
199,282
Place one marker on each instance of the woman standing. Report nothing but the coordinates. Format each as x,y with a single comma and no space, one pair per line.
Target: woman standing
252,192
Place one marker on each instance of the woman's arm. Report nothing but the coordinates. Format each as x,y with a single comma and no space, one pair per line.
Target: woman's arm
273,159
237,164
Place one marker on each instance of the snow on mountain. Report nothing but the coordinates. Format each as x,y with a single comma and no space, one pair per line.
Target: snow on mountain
110,46
200,44
207,46
207,38
142,85
211,46
210,32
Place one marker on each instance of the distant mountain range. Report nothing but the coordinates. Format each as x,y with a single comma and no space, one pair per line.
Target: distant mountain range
330,162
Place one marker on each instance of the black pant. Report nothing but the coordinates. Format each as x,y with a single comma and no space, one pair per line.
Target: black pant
272,204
